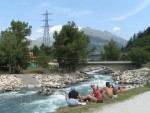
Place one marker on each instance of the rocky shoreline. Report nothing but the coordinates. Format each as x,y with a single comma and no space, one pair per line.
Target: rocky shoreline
50,82
47,82
133,78
10,83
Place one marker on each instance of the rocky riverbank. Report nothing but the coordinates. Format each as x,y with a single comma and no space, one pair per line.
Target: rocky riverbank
50,82
133,78
10,83
136,78
47,82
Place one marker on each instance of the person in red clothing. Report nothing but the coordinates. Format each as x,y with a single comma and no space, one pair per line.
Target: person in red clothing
96,96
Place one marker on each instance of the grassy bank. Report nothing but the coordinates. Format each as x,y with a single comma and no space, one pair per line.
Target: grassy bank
91,106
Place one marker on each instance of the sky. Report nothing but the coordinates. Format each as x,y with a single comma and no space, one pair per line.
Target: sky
120,17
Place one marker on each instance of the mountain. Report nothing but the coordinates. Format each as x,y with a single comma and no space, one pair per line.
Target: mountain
97,38
103,36
36,42
100,38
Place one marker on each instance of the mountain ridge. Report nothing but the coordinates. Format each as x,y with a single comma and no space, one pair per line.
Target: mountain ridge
98,39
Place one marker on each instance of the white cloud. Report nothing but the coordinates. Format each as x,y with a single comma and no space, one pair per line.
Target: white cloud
56,28
116,28
53,29
79,27
40,30
133,12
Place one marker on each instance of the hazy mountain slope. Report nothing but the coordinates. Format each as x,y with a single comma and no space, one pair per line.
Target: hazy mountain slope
101,36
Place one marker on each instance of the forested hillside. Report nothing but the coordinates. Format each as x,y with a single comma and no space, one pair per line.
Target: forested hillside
138,47
141,39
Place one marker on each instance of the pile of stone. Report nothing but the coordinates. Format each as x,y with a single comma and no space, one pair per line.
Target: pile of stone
139,76
10,83
45,91
50,82
60,81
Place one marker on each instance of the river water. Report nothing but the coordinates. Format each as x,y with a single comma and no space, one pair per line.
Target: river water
27,101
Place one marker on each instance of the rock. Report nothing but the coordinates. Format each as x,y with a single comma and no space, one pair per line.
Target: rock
45,91
138,77
30,86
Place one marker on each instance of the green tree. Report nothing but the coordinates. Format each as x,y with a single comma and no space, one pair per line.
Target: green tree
42,59
46,49
14,46
138,56
35,50
70,46
111,52
20,30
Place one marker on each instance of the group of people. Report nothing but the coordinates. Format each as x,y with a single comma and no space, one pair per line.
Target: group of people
108,92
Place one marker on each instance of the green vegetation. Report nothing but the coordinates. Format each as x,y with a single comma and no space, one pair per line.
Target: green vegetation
14,50
91,106
43,55
70,46
138,47
111,52
139,56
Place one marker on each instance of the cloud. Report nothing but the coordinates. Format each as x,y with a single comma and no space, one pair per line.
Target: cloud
39,30
56,28
79,27
116,28
133,12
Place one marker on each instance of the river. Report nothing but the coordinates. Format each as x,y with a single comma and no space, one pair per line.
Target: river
27,101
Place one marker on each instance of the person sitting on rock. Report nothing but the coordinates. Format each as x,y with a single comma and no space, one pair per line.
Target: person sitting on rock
96,96
107,91
72,97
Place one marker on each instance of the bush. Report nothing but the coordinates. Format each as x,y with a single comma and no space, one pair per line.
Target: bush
138,56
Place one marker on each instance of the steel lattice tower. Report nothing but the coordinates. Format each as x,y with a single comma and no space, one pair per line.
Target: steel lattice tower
46,36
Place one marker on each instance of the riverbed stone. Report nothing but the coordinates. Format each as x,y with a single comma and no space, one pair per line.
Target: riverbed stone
138,77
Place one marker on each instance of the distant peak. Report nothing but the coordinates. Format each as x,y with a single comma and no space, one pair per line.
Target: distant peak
87,28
